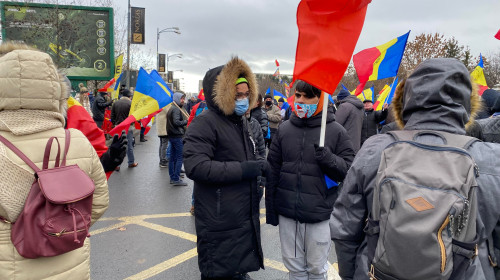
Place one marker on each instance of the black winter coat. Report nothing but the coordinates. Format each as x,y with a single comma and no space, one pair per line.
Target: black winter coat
371,119
175,122
261,116
349,114
98,107
227,206
296,188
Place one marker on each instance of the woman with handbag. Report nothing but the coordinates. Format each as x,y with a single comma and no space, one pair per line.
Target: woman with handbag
32,106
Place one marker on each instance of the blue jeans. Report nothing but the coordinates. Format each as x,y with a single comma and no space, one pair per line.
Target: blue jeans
169,149
130,146
175,159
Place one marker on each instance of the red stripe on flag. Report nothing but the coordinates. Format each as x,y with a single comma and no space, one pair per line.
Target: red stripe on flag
80,119
123,126
363,62
498,35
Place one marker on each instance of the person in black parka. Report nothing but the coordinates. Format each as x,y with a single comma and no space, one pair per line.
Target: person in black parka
221,160
297,195
99,106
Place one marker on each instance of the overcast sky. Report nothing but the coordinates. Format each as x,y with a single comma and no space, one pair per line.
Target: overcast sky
260,31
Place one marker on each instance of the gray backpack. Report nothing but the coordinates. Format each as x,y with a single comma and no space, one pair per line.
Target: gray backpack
423,220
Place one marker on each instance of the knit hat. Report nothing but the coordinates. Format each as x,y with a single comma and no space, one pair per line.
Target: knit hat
496,106
343,94
83,89
367,100
281,99
268,96
241,80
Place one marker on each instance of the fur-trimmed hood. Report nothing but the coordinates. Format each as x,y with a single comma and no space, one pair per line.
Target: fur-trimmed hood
29,80
220,89
438,95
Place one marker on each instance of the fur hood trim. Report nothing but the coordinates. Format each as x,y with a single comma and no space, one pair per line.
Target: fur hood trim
224,90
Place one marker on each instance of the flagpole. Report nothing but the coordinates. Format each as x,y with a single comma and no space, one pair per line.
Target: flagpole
323,120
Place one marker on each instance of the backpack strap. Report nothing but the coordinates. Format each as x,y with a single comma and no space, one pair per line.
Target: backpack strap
19,153
449,139
491,252
46,155
67,140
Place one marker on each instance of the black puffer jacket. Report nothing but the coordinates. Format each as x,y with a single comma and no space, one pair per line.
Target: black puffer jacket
349,114
227,206
261,116
490,129
371,119
297,189
98,107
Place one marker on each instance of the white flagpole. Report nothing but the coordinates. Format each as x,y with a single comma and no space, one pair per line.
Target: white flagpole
323,120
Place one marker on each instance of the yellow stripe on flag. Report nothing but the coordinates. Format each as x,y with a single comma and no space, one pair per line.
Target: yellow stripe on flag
383,50
383,96
165,89
72,102
478,76
143,105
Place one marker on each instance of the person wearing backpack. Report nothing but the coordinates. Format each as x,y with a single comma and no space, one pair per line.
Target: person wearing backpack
298,198
33,100
378,222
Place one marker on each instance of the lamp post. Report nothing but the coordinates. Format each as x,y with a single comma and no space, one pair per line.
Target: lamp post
158,32
178,55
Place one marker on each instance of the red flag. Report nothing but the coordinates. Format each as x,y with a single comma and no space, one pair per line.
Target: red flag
277,63
290,100
498,35
201,95
107,85
124,125
328,33
80,119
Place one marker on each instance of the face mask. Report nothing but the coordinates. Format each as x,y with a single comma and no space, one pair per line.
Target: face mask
305,110
241,106
269,103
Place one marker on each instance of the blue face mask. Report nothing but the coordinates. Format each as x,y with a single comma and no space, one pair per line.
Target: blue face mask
241,106
305,110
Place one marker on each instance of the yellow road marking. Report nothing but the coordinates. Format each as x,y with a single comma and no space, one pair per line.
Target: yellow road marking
142,217
275,265
167,230
112,227
159,268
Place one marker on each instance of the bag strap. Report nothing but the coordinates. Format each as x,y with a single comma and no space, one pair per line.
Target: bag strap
46,155
66,145
19,153
449,139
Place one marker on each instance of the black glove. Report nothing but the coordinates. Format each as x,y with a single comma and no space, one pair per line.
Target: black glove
320,153
252,168
115,154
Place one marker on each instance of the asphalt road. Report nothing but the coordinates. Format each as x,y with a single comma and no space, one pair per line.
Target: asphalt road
148,232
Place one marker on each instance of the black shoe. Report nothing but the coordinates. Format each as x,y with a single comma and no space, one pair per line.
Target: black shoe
143,140
242,277
179,183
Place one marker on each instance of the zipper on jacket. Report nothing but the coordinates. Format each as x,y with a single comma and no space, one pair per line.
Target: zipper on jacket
420,186
299,174
218,202
441,243
435,148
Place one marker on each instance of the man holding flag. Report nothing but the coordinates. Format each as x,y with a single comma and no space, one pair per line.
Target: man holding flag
119,113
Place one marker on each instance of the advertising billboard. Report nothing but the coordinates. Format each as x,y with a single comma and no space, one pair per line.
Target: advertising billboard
79,39
137,24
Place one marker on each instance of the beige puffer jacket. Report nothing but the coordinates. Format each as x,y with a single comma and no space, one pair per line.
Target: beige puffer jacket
31,97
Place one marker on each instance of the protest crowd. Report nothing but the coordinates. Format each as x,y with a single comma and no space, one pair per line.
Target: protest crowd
405,185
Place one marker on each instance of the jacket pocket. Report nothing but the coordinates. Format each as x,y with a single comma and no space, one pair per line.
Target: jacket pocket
225,252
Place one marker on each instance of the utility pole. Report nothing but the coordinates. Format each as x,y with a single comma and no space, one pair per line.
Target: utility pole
128,46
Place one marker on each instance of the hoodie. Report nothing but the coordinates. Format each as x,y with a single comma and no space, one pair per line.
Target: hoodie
439,96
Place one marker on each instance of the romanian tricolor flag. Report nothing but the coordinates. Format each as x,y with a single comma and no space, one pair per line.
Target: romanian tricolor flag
149,96
379,62
80,119
277,63
277,95
367,94
107,86
477,76
382,96
277,72
201,95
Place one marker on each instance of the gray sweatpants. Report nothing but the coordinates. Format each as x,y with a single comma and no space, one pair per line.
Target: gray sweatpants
305,248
